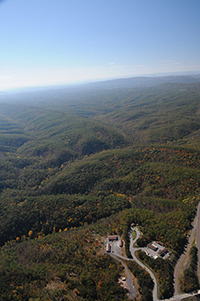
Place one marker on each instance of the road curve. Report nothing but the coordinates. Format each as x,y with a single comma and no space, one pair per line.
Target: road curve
133,250
155,290
176,296
132,291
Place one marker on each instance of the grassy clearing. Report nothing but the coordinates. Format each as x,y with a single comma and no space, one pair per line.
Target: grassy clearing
133,233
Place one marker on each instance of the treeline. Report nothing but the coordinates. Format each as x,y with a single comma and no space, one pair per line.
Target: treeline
164,273
58,266
171,227
12,135
47,214
189,281
161,172
145,282
40,199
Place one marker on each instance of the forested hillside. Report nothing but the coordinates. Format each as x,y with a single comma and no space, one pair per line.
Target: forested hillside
79,164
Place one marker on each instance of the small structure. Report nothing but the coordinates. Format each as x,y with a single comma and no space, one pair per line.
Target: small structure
112,237
108,248
160,243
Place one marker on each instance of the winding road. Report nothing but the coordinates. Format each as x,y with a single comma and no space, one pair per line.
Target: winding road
177,296
133,250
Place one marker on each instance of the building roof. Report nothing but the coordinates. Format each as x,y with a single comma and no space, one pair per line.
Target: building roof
108,248
113,237
163,251
152,247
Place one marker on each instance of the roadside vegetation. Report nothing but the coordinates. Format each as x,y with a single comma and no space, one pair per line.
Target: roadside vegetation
144,281
189,281
163,270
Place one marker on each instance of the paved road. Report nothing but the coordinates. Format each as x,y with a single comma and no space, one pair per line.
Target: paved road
133,250
198,235
155,297
137,235
196,226
131,288
176,296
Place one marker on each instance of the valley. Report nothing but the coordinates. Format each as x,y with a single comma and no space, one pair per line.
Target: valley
77,165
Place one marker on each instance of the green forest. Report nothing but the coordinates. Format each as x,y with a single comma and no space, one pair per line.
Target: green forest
79,164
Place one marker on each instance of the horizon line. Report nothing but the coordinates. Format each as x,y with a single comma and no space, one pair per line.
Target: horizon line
92,81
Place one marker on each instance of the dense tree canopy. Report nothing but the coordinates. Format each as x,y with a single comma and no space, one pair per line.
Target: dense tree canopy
92,163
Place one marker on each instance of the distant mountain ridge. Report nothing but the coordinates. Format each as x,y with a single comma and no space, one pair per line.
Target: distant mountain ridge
131,82
138,82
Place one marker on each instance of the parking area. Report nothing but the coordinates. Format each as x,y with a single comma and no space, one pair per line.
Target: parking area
113,244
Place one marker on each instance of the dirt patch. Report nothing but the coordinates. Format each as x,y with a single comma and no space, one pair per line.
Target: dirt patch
55,285
123,284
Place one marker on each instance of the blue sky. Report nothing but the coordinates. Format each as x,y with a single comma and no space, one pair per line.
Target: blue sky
52,42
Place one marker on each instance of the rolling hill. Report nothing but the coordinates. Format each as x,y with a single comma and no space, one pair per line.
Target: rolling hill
82,162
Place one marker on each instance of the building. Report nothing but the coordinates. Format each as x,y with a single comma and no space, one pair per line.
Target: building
152,247
163,252
112,237
160,243
108,248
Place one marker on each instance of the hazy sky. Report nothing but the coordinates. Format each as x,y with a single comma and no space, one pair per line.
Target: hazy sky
46,42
